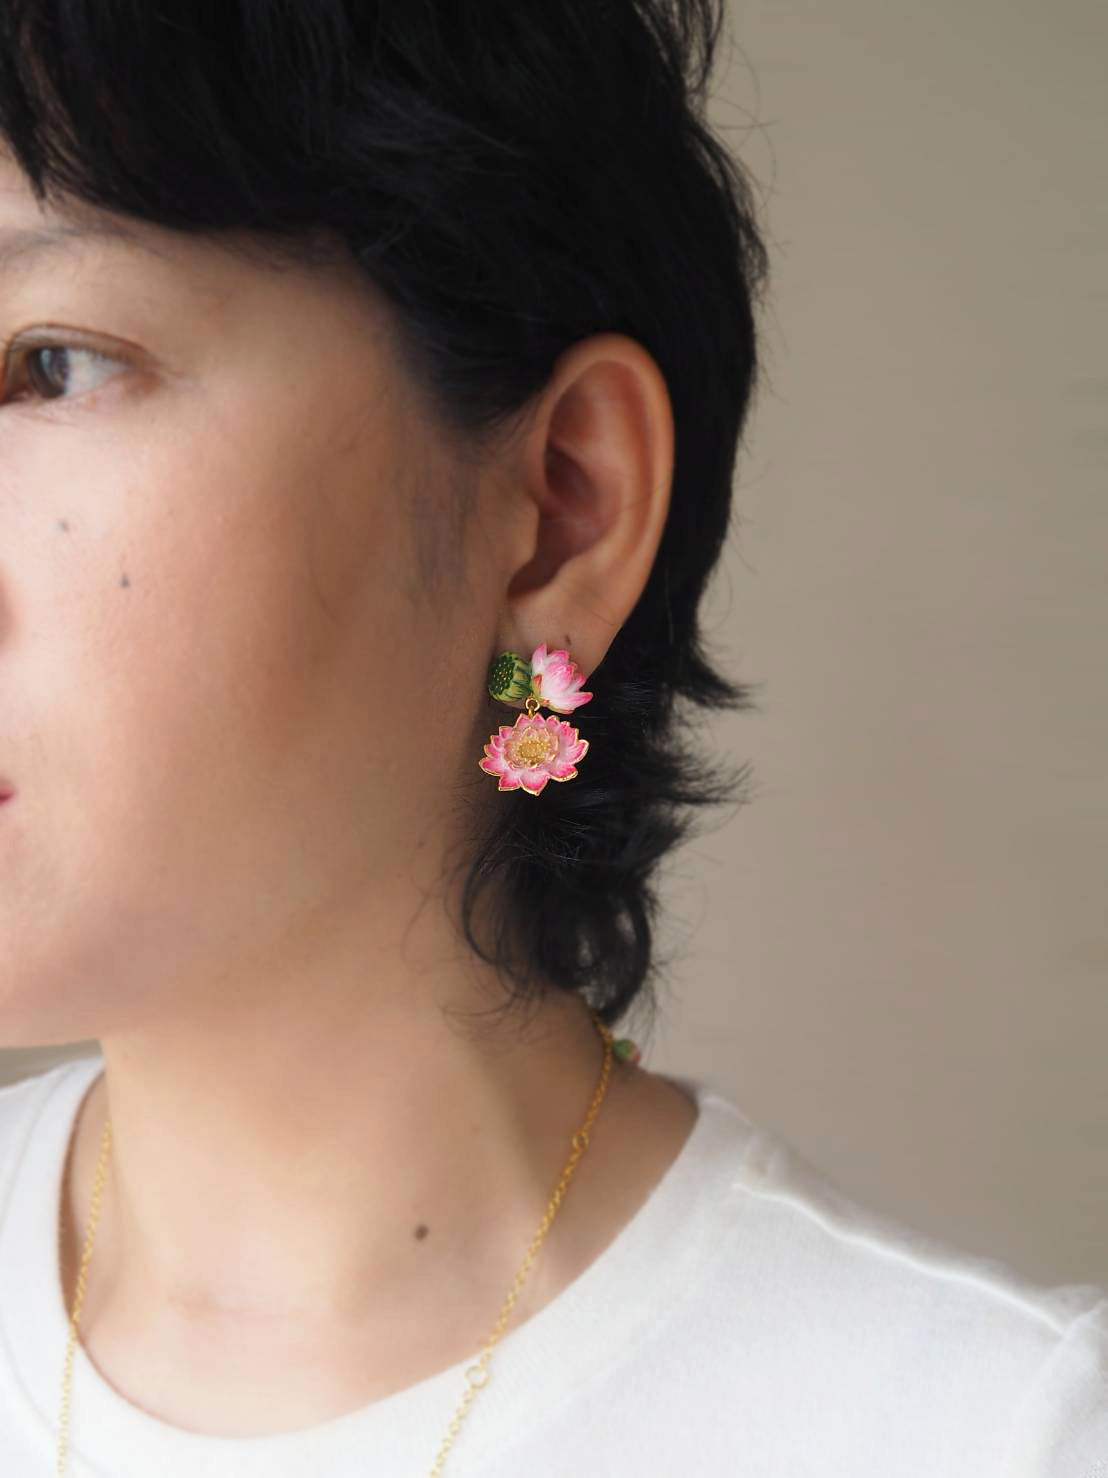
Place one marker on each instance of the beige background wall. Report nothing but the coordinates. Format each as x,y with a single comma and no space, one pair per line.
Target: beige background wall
897,955
900,956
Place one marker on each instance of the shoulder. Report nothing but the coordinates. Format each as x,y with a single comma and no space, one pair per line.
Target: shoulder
788,1211
26,1102
18,1096
852,1306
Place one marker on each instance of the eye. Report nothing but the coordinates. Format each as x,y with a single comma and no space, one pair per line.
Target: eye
46,371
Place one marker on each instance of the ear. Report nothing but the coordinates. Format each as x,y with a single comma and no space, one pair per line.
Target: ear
590,485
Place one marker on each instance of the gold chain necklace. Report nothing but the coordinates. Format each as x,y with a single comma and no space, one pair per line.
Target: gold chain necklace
477,1375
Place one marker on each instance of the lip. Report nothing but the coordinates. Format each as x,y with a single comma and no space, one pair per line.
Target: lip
6,792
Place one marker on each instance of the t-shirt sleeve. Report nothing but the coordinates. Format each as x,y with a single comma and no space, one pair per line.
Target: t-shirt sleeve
1060,1429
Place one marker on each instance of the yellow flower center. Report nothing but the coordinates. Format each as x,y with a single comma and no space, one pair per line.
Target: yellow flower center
531,747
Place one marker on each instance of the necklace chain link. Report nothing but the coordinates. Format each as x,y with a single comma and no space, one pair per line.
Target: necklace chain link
477,1375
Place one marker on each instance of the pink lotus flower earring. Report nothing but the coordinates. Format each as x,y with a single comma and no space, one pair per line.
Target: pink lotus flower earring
535,749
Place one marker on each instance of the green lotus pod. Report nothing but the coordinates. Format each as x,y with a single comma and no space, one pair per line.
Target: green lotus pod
510,678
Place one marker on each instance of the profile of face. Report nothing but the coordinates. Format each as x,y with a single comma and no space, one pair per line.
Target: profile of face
225,702
234,708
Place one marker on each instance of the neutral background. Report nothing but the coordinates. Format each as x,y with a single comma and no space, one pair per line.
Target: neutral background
896,954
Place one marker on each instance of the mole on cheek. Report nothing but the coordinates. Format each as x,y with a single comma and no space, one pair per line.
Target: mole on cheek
125,581
421,1232
63,525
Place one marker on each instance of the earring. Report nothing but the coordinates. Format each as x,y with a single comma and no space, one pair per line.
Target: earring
535,749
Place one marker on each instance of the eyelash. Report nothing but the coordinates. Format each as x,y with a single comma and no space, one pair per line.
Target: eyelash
15,356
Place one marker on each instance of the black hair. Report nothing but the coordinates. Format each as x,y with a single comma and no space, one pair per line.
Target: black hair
512,176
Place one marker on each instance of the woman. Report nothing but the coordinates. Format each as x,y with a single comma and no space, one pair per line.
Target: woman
373,381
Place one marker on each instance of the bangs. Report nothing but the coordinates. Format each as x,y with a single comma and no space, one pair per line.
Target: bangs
186,115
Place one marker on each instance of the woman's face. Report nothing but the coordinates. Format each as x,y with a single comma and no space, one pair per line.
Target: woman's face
229,707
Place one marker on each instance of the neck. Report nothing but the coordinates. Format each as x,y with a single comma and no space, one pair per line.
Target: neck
388,1158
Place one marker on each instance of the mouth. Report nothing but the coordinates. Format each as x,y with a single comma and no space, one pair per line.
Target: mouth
6,792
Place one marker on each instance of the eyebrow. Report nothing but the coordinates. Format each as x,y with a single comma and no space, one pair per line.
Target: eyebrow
19,246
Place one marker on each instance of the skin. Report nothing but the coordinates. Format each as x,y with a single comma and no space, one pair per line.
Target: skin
242,725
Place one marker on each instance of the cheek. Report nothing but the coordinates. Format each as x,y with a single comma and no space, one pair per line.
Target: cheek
204,734
205,720
223,677
242,659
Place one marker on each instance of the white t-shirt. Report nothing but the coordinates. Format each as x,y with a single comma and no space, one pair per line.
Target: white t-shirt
750,1321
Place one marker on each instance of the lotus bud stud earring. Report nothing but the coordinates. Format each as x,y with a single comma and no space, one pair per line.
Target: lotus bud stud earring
534,749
